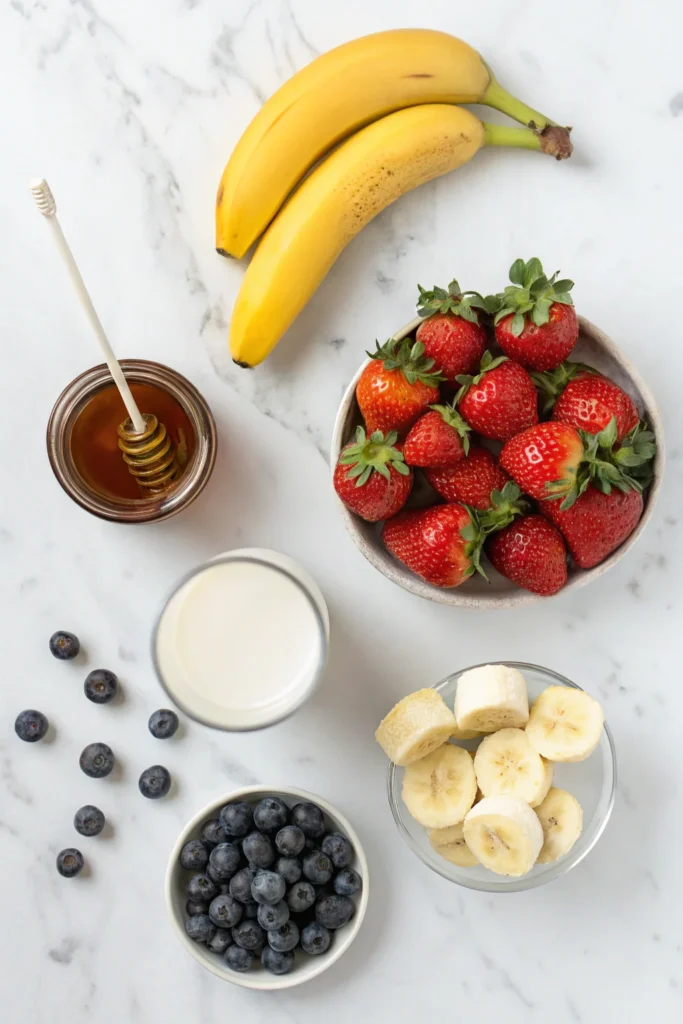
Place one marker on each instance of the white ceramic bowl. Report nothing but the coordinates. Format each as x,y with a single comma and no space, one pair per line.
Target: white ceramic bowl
594,348
306,967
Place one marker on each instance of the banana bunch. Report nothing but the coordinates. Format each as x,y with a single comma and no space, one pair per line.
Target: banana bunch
388,103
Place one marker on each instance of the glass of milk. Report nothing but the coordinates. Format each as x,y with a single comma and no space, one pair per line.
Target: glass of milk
242,640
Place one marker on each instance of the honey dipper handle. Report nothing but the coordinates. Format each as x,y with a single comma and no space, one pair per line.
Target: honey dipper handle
46,204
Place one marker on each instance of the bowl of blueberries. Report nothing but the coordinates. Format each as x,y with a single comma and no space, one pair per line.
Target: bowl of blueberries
267,887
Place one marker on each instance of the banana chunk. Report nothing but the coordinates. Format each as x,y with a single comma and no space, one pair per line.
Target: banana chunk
565,724
491,697
561,819
450,844
506,763
415,727
465,734
549,769
504,834
439,789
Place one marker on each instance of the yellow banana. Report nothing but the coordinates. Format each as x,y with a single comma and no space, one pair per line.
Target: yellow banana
355,183
332,97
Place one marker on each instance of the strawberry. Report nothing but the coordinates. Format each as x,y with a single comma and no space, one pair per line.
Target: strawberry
471,480
371,477
545,459
531,553
396,386
451,334
536,322
597,523
441,544
587,400
500,401
437,438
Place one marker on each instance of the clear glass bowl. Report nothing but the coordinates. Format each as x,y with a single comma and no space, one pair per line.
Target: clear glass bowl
593,783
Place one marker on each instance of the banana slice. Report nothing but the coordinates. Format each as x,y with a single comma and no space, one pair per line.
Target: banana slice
549,769
565,724
450,844
506,762
439,789
561,819
491,697
465,734
415,727
504,834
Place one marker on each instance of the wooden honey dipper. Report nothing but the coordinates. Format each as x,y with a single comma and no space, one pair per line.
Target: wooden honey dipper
145,444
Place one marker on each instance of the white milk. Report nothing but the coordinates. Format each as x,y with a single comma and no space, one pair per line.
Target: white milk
243,641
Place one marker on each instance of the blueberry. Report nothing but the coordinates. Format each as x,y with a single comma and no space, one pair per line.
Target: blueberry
194,856
290,841
225,911
155,782
31,726
196,907
315,939
220,941
268,887
338,849
200,927
240,885
300,897
89,820
285,938
100,686
163,724
64,646
225,860
310,820
289,868
69,862
248,935
213,833
271,917
334,911
213,874
251,910
201,889
238,959
277,963
258,850
317,867
237,819
270,814
97,760
347,882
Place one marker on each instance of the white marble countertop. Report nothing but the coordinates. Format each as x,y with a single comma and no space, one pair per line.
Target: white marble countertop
130,110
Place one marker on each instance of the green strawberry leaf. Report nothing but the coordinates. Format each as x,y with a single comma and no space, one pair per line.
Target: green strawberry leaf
375,454
531,293
517,272
517,324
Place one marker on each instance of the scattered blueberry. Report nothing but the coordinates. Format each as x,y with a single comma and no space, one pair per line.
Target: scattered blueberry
31,726
338,849
248,935
155,782
258,850
213,874
97,760
194,856
347,882
268,887
317,867
200,927
220,941
163,724
272,917
240,885
290,841
277,963
315,939
334,911
213,833
100,686
300,897
69,862
225,860
271,814
64,646
225,911
239,959
309,818
201,889
195,907
289,868
89,820
237,819
285,938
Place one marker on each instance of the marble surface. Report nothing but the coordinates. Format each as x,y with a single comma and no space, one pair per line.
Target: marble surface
130,110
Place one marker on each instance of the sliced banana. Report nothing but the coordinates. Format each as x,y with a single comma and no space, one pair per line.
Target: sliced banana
549,769
450,844
561,819
506,762
465,734
415,727
565,724
439,789
491,697
504,834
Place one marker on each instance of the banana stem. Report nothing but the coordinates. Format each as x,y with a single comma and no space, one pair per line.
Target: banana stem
547,141
556,136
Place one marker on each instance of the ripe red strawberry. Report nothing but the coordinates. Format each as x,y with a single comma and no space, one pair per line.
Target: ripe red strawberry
441,544
396,386
371,477
500,401
531,553
536,322
589,401
471,480
451,334
438,438
597,523
545,459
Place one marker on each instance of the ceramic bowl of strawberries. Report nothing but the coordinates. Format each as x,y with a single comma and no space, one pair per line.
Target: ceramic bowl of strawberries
497,450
